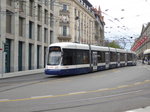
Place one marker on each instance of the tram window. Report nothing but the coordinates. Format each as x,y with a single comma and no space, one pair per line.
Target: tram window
122,57
129,57
54,58
85,57
79,57
113,56
74,57
82,57
101,57
68,57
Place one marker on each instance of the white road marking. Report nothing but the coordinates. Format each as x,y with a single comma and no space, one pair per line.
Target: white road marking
123,86
41,96
4,99
105,89
147,81
138,83
84,92
77,93
122,94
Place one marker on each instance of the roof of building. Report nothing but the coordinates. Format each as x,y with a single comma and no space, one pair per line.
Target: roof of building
87,3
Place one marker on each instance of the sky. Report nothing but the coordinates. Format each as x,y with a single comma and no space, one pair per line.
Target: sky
123,19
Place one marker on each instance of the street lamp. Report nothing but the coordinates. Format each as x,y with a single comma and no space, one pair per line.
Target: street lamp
1,45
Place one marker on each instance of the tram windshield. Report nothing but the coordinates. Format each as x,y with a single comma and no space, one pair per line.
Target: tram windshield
54,57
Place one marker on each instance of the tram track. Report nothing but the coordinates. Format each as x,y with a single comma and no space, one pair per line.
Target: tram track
24,83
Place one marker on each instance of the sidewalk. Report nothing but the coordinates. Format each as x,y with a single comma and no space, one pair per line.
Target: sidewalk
20,73
146,109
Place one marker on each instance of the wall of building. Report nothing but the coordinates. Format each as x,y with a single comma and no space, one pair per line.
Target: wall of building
80,22
143,42
26,29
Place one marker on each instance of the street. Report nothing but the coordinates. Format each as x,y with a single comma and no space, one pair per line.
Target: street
114,90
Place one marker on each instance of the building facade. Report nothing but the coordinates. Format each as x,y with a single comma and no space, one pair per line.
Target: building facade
26,30
143,42
28,27
78,22
99,26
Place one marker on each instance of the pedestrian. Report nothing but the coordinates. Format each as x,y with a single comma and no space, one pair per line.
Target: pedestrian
148,59
143,60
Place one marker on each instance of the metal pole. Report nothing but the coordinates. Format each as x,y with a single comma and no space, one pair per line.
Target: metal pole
2,64
1,42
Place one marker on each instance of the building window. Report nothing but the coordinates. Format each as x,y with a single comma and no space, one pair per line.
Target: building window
20,56
64,7
40,1
9,2
8,56
51,37
21,26
51,20
30,57
38,33
38,56
45,35
39,13
45,51
45,16
21,6
9,22
52,5
46,2
64,30
30,29
31,7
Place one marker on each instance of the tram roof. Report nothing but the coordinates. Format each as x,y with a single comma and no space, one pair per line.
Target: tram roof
79,46
131,52
70,45
121,50
99,48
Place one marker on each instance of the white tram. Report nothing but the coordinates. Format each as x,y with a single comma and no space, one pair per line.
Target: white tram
73,58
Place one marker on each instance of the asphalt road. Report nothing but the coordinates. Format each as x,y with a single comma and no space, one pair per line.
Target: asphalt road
115,90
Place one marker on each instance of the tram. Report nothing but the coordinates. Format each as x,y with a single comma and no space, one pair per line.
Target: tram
73,58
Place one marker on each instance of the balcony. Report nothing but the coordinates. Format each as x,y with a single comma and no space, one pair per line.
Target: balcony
65,38
64,23
64,12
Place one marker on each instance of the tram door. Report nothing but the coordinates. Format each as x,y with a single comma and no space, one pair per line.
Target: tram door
94,60
126,60
107,60
118,59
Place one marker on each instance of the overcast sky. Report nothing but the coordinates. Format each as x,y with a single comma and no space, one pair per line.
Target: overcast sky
123,18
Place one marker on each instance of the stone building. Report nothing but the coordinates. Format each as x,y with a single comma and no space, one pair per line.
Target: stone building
78,21
143,42
28,27
26,30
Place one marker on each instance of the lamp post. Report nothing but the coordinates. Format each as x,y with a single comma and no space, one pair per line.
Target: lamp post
1,44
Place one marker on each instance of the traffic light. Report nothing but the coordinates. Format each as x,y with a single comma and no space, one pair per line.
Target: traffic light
6,47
